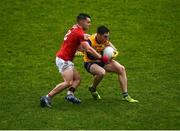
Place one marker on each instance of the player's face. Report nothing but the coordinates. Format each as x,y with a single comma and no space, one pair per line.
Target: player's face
103,38
86,23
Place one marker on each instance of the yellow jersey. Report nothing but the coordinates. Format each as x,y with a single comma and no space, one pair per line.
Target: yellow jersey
99,47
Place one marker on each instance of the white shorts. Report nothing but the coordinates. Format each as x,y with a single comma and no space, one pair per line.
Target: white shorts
63,65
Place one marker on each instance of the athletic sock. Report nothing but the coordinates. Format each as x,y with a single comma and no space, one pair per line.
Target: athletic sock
92,88
125,94
71,91
49,96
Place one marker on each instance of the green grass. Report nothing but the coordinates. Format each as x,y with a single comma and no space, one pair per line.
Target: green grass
146,33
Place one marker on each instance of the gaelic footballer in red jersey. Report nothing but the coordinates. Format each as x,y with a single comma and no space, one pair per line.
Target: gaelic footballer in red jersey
73,39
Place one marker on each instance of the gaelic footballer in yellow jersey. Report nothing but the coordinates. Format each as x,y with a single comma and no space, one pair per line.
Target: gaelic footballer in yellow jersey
99,47
98,68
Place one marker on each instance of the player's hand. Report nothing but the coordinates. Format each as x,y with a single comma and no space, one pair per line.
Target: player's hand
86,36
104,59
115,54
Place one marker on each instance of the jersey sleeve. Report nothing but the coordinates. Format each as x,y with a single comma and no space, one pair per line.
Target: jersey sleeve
89,42
89,55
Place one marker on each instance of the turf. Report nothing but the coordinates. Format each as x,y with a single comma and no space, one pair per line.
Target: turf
146,33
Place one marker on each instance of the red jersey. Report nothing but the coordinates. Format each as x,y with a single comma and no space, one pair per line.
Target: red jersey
71,43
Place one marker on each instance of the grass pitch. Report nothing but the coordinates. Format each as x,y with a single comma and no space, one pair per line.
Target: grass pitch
146,33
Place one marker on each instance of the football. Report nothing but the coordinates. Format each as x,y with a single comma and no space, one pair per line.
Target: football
108,52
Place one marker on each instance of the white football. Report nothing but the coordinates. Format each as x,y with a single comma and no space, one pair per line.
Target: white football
108,51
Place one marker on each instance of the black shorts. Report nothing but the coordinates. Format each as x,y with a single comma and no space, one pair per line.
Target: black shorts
87,65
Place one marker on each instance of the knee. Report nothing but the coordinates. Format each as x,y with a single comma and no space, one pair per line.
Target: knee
68,83
101,73
121,70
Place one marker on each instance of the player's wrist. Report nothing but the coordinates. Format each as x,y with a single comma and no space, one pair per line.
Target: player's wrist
99,57
104,58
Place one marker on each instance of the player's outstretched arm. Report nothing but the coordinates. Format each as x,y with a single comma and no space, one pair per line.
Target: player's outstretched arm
89,49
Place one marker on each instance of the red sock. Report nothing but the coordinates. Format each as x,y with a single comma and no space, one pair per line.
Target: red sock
49,95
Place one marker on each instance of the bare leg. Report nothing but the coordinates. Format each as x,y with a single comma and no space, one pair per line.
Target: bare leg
75,83
68,80
115,67
98,73
76,79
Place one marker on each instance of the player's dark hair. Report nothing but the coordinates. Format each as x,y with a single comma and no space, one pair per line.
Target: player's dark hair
82,16
102,30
